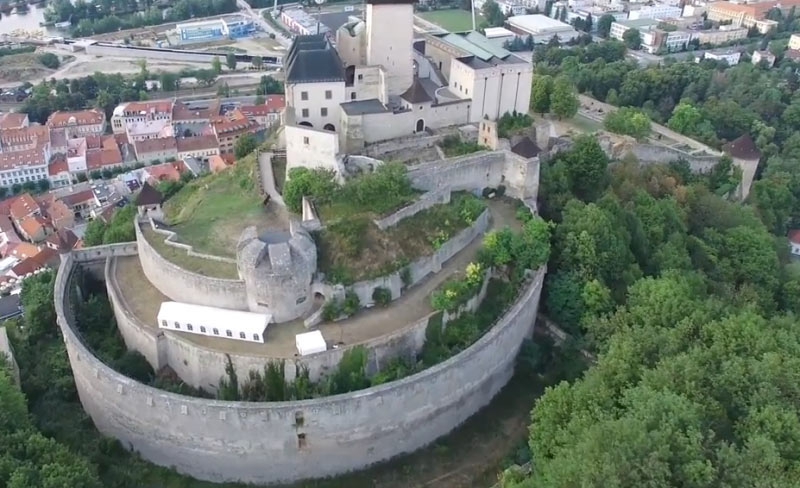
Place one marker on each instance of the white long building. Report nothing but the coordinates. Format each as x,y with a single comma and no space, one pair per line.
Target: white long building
213,322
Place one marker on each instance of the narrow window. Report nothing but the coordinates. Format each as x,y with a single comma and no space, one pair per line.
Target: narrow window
305,112
255,337
353,96
203,329
229,333
328,94
177,325
304,96
305,141
301,441
242,335
189,327
323,112
164,323
360,77
215,331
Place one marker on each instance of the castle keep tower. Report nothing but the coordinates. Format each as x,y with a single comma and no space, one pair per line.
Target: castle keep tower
390,35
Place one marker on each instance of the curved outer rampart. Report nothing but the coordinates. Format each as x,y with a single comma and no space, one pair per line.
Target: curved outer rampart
259,442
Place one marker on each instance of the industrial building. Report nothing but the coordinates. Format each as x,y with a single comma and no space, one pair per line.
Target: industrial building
541,27
233,27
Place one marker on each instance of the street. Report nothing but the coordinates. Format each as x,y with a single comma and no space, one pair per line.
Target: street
245,8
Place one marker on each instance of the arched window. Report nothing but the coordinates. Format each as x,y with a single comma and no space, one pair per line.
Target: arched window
255,337
215,331
203,329
229,333
177,325
189,327
242,335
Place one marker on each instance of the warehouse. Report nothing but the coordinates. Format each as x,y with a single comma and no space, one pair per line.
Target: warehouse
542,28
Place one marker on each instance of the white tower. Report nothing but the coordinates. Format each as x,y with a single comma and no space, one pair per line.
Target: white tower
390,34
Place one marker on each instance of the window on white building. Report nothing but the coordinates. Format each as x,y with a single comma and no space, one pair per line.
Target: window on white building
255,337
229,333
242,335
189,327
203,329
328,94
360,77
305,112
304,96
163,323
215,331
323,112
353,96
305,141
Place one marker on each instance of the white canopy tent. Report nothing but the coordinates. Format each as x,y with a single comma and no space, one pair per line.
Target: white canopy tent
310,343
213,321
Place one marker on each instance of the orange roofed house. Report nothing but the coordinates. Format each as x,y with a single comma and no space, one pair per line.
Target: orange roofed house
749,15
230,127
267,114
132,112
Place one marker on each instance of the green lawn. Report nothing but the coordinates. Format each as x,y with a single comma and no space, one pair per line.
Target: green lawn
454,20
205,267
210,213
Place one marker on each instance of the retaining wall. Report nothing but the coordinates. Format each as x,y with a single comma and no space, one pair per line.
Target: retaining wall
287,441
439,196
202,367
480,170
184,286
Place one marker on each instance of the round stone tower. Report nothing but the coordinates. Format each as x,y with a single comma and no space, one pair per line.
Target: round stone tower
277,268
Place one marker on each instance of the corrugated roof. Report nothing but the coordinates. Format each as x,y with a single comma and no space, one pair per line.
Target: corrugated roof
467,46
482,42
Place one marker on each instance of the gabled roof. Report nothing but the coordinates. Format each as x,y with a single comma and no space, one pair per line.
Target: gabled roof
742,148
526,148
149,196
312,59
416,93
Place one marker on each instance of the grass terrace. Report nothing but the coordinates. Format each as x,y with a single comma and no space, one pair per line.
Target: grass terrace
352,247
211,212
205,267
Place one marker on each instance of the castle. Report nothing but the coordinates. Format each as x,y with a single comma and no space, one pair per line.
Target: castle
378,83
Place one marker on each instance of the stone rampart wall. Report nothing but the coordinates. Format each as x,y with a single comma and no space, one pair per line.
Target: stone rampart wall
285,441
477,171
184,286
438,196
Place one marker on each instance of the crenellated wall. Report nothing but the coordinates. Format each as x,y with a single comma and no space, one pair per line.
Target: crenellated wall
184,286
287,441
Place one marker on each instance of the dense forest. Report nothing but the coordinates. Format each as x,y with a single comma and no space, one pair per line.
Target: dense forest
688,300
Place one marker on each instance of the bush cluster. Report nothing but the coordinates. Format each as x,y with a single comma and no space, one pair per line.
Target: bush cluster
333,309
381,296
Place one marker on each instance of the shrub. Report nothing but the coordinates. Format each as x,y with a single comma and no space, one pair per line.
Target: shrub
381,296
318,184
49,60
384,190
331,311
470,209
628,121
510,124
351,303
452,146
405,276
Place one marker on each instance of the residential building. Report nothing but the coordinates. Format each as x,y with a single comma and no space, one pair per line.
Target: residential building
60,214
230,127
62,240
655,11
149,129
131,112
149,150
183,114
14,120
766,56
749,15
725,33
79,124
541,27
34,228
58,172
267,114
792,55
24,206
220,163
80,202
794,242
730,57
163,172
201,147
619,27
301,22
21,166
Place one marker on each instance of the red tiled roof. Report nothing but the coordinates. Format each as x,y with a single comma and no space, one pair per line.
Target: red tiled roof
120,139
63,239
742,147
58,165
165,172
78,198
272,105
200,143
218,163
13,120
84,117
24,250
21,159
59,211
103,158
155,145
5,224
23,206
33,225
794,236
792,54
150,106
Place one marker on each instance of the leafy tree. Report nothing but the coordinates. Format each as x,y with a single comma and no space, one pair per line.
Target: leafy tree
317,183
246,144
493,14
257,62
216,65
585,168
604,25
95,230
628,121
564,300
632,39
563,101
541,91
49,60
230,61
169,81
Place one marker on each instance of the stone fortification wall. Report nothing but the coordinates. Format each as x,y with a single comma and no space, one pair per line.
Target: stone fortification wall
423,266
202,367
476,171
284,441
184,286
439,196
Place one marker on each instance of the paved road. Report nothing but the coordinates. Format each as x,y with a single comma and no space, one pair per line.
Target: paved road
260,21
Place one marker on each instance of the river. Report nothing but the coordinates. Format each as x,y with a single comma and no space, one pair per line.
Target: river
28,21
